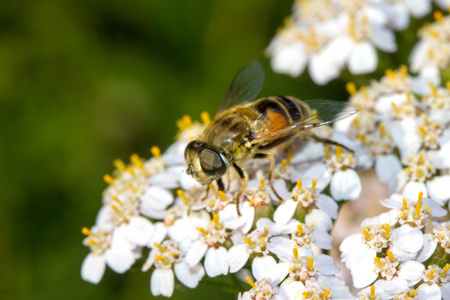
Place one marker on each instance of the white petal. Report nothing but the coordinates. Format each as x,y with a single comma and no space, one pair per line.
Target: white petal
348,243
282,247
436,209
93,268
289,60
429,292
418,8
339,48
189,276
162,282
384,39
391,287
183,229
139,230
262,266
360,255
119,262
411,271
322,240
216,262
407,238
290,289
363,274
328,205
319,219
345,185
438,188
195,253
237,257
429,246
412,190
445,291
387,167
321,69
285,211
363,59
229,217
325,264
155,198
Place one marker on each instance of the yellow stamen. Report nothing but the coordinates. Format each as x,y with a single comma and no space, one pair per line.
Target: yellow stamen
248,241
136,161
311,262
305,294
418,208
387,229
283,165
437,15
408,97
205,118
263,183
300,229
132,188
202,231
216,219
367,235
314,183
92,242
421,158
405,204
339,152
404,71
86,231
308,194
363,90
432,271
389,73
412,293
250,203
391,256
433,89
422,131
351,88
161,248
290,156
262,242
419,201
159,257
116,209
350,158
211,186
327,152
295,251
250,282
222,195
395,107
445,270
378,261
184,123
116,199
372,290
299,185
326,293
130,170
108,179
182,195
155,151
119,164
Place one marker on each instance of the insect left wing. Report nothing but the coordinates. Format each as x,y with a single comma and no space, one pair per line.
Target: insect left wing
245,86
322,112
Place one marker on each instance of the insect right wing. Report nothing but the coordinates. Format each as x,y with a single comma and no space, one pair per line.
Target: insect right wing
245,86
322,112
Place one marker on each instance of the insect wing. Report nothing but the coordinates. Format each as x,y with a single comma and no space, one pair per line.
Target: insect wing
322,112
246,85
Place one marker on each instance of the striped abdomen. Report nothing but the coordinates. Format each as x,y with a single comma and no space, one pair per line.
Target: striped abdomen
279,113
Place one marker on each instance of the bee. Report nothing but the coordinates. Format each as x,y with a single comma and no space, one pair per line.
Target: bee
244,129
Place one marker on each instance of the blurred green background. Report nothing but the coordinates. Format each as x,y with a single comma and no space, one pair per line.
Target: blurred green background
85,82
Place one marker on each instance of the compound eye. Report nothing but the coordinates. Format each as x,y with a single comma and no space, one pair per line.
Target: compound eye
212,162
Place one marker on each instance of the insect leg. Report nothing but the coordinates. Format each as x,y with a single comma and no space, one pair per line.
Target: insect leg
243,176
207,192
271,168
220,184
330,142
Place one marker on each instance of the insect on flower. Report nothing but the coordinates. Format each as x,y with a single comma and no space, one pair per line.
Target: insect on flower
244,129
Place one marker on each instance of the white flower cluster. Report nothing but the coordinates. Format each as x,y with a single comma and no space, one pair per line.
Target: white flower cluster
407,137
328,35
193,230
